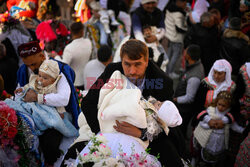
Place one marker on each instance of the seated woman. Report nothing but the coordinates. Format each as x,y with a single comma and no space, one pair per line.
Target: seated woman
113,108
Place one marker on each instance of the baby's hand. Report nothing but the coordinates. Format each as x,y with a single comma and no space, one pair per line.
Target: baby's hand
19,90
212,124
219,124
61,115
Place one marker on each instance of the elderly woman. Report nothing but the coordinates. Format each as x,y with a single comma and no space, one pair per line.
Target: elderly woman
218,79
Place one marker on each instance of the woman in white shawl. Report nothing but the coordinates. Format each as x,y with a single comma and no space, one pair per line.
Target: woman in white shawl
218,79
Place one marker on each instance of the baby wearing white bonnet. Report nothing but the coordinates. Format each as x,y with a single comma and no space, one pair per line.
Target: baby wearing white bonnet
46,81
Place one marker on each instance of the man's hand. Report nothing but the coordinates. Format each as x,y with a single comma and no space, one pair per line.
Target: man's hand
151,39
30,96
127,129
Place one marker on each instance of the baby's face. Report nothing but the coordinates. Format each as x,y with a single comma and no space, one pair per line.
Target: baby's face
147,32
44,79
157,105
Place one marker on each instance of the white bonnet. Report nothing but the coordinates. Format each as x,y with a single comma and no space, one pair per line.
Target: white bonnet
170,114
50,67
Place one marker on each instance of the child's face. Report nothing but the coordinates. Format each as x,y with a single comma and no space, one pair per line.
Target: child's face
45,79
147,32
157,105
222,105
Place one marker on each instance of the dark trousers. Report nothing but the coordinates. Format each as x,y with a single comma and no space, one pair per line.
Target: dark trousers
49,143
187,113
72,151
171,148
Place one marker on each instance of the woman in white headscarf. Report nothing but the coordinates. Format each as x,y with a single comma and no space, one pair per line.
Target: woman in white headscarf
218,79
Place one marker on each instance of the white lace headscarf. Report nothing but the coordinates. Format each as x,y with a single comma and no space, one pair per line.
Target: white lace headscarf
221,65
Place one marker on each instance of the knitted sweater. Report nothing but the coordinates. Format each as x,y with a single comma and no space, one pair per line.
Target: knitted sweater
175,23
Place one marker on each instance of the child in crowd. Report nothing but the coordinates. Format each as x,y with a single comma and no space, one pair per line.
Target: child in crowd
45,82
160,56
212,133
103,16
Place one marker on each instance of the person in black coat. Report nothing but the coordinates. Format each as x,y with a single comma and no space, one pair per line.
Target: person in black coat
234,46
8,69
153,82
206,35
147,14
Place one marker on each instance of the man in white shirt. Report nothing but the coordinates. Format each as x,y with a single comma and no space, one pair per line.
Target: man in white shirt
32,56
95,68
77,53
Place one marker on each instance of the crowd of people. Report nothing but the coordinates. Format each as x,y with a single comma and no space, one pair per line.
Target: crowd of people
124,83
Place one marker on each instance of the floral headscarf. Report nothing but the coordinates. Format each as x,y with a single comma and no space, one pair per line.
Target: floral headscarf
220,65
248,69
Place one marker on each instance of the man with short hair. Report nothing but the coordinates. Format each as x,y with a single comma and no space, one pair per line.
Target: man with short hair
95,68
188,85
77,53
33,57
152,81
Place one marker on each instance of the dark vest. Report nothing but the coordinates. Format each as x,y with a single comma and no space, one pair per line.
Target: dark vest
194,70
146,18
